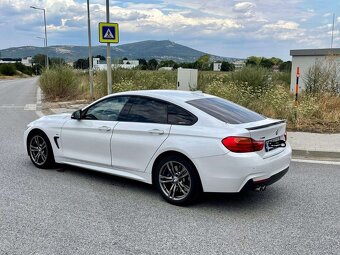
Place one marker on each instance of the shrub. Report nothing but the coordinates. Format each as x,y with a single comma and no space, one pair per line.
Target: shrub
7,69
282,77
255,79
322,77
59,82
124,80
24,69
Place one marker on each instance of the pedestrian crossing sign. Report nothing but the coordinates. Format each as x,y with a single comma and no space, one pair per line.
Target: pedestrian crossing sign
108,32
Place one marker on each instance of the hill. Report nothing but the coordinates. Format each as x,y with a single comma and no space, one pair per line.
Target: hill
145,49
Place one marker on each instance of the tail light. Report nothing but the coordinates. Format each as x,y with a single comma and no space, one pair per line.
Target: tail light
286,137
242,144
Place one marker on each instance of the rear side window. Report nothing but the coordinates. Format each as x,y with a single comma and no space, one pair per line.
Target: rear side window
179,116
145,110
225,110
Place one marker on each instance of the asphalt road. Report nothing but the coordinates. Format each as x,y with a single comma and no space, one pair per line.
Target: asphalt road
75,211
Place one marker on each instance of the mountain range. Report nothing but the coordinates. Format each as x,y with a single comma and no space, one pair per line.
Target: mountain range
160,50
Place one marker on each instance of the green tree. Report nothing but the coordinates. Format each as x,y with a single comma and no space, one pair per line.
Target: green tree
143,64
167,63
7,69
203,63
266,63
253,61
39,59
24,69
152,64
226,66
276,61
100,57
82,63
286,66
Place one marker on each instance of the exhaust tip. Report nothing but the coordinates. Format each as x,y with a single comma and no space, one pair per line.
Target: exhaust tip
260,188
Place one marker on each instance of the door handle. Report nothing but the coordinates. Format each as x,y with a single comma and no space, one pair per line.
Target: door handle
156,132
104,128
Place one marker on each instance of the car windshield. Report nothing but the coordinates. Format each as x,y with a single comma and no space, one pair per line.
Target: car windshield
225,110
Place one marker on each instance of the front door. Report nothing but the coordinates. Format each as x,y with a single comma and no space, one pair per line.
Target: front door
88,139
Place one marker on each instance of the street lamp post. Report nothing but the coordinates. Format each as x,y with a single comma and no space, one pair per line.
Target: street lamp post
42,9
108,54
90,50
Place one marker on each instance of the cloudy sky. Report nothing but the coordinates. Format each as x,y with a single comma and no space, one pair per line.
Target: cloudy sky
231,28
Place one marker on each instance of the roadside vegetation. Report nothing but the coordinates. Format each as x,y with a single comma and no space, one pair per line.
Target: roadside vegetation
255,86
60,82
15,69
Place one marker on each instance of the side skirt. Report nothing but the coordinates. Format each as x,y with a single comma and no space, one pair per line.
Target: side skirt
138,176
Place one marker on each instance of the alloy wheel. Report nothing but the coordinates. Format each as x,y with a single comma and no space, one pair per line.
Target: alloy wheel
175,180
38,150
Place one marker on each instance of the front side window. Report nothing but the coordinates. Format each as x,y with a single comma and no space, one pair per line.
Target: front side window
108,109
146,110
225,110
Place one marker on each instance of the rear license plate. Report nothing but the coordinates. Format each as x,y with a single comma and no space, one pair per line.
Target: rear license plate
274,143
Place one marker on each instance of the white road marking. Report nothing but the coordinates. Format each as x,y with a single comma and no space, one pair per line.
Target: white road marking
324,162
11,106
30,107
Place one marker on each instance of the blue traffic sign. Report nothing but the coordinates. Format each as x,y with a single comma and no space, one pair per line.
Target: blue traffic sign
108,32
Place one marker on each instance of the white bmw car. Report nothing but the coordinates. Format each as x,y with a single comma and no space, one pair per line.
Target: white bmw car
184,143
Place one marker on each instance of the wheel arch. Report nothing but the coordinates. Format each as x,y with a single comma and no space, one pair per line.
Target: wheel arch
172,153
33,132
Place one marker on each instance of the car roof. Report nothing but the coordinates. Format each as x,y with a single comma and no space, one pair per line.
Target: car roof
169,95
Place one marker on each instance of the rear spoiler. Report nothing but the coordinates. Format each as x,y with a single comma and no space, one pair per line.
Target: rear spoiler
266,125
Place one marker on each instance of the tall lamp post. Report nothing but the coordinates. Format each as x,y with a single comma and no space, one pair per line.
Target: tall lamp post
90,50
42,9
108,54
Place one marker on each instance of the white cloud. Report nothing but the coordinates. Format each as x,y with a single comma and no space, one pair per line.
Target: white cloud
243,6
282,24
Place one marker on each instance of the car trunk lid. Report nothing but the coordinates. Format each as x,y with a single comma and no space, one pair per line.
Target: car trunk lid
271,131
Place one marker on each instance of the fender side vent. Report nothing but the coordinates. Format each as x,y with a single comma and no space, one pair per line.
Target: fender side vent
56,141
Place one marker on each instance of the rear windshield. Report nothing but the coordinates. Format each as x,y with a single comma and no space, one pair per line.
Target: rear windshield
225,110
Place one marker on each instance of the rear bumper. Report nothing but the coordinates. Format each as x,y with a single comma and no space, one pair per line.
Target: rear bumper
232,171
251,184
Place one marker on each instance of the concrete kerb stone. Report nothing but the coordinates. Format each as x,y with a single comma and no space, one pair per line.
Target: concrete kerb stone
317,155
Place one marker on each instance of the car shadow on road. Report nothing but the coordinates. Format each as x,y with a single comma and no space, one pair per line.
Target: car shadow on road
245,200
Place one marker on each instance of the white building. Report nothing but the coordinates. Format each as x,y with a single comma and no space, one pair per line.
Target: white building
217,66
305,59
239,64
27,61
127,64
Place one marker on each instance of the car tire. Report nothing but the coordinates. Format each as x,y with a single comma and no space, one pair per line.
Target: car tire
177,180
40,150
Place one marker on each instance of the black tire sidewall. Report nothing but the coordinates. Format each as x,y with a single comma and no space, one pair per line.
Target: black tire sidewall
195,189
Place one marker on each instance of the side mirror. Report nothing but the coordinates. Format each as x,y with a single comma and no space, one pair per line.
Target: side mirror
76,115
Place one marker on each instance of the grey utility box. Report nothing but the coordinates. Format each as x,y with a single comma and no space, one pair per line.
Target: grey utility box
187,79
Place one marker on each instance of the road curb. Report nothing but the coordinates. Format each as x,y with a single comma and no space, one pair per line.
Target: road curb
319,155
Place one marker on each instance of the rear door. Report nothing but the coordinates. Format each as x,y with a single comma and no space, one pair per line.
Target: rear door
141,130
